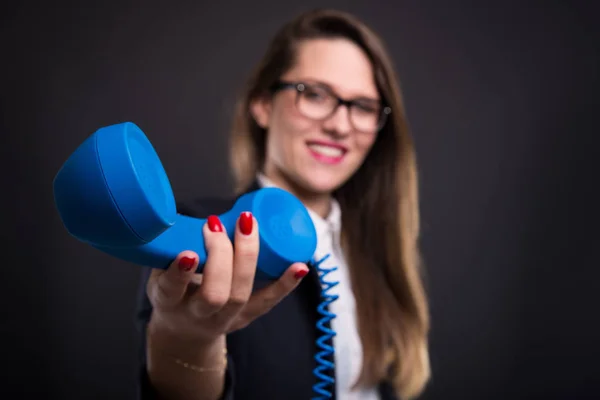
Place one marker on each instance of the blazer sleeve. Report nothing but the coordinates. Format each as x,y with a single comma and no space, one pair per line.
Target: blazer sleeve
145,390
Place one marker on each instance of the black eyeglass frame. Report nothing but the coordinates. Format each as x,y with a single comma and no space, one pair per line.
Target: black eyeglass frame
300,87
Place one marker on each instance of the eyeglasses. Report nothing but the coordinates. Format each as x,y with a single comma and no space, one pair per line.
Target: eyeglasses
318,102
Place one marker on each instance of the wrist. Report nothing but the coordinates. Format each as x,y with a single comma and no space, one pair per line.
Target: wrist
184,349
182,367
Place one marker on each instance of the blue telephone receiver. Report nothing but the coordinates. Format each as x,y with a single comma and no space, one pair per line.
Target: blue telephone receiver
114,194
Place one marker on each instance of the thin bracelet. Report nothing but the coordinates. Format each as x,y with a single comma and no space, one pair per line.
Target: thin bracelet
204,369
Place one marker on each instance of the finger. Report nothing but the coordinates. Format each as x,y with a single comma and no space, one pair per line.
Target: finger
168,287
264,299
214,291
245,257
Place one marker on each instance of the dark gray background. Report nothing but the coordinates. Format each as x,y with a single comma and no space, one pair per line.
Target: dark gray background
502,98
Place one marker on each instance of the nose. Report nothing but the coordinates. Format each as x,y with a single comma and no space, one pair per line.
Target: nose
339,122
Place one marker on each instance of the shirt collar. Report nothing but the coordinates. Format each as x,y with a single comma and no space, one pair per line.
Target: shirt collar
332,223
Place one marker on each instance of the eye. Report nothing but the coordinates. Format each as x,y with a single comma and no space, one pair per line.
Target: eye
366,107
315,94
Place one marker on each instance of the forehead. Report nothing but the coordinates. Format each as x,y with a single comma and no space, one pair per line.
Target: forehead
338,63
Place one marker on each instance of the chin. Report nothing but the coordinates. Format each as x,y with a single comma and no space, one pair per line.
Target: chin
321,185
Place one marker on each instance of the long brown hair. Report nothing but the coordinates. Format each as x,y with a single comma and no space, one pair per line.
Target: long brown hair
380,215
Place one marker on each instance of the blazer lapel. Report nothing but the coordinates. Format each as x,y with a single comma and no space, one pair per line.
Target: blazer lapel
311,288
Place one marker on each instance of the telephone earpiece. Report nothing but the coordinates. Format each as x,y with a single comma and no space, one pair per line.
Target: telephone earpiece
114,194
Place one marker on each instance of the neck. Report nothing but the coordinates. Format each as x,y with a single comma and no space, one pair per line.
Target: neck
320,203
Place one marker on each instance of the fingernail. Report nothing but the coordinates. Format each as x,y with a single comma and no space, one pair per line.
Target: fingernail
300,274
186,263
214,224
246,223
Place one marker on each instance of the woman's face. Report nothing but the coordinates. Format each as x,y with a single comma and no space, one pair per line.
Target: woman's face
305,149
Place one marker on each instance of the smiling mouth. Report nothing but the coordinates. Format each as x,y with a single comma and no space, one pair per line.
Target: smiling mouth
330,154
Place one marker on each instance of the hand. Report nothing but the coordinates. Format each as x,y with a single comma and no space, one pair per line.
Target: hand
203,307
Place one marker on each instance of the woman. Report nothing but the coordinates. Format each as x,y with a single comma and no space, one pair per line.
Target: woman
322,117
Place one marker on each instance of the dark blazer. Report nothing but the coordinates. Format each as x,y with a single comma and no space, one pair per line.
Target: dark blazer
272,358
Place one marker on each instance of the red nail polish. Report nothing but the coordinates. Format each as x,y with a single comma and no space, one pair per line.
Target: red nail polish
214,224
246,223
186,263
301,274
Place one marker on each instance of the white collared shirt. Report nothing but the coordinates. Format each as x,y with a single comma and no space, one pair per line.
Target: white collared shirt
347,344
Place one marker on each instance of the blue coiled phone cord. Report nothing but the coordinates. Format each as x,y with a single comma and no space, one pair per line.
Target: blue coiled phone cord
326,350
